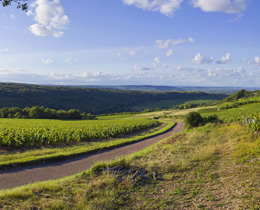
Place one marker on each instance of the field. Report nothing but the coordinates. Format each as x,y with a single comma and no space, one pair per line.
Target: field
213,166
232,114
202,168
35,154
24,132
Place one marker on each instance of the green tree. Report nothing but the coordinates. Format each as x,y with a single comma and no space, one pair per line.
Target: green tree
193,119
20,3
36,112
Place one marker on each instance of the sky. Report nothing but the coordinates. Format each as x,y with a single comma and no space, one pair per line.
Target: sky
132,42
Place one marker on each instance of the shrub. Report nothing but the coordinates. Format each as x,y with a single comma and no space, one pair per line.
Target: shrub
193,119
212,119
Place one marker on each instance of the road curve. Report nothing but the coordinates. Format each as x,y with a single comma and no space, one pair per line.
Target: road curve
22,176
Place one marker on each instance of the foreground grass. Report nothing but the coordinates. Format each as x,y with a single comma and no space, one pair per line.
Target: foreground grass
44,154
212,167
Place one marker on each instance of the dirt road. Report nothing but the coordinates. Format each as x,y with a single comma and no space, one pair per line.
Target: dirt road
18,177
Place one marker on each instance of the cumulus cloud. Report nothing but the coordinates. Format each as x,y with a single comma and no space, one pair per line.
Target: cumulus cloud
157,60
170,42
200,59
165,66
169,52
86,76
191,40
227,6
69,60
127,51
4,50
256,61
141,69
166,7
50,18
12,16
227,73
225,59
47,61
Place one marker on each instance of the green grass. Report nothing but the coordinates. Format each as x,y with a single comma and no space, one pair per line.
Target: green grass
197,169
116,116
232,114
52,153
173,102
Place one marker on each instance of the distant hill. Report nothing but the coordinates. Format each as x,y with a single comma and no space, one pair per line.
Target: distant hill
92,100
225,90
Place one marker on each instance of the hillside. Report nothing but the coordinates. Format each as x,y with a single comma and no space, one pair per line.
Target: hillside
241,94
224,90
92,100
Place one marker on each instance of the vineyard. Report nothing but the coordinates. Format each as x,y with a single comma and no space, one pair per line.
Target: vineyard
28,132
232,114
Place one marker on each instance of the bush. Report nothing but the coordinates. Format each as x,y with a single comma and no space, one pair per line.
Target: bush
212,119
193,119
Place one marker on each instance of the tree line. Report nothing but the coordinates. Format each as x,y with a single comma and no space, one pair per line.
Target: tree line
37,112
89,100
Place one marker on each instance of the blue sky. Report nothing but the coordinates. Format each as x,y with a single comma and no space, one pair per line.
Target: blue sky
132,42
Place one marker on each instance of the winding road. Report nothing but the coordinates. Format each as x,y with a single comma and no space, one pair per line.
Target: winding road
22,176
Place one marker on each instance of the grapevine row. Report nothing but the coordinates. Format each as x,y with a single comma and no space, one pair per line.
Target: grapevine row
25,132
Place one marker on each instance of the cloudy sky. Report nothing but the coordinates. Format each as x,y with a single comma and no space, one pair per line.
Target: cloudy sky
139,42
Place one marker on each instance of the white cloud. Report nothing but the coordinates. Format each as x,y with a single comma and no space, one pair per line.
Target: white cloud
132,52
191,40
69,60
157,60
227,6
181,68
47,61
166,7
225,59
50,18
200,59
167,43
227,73
86,76
141,69
127,51
256,61
4,50
12,16
169,52
165,66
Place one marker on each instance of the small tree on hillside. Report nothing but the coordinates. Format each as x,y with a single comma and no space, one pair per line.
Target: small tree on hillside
193,119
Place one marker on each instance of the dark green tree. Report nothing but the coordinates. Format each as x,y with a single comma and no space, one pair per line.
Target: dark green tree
193,119
21,4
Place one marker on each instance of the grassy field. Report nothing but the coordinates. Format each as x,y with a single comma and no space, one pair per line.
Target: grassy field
34,155
201,168
173,102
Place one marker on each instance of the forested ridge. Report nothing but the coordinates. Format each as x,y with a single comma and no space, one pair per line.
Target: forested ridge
89,100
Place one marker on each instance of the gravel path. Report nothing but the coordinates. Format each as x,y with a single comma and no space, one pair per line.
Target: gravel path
22,176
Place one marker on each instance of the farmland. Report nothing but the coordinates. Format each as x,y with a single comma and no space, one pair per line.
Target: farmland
23,132
36,152
192,170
